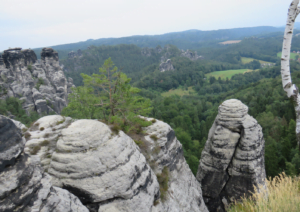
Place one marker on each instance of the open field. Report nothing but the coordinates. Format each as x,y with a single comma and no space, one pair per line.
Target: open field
293,55
248,60
227,73
230,42
179,91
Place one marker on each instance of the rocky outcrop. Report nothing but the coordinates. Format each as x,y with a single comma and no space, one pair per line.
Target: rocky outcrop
232,162
166,66
73,54
184,191
23,184
40,84
190,54
108,171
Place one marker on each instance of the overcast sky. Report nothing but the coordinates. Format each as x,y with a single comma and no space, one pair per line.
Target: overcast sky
41,23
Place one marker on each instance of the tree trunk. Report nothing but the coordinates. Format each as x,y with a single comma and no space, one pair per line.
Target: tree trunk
290,89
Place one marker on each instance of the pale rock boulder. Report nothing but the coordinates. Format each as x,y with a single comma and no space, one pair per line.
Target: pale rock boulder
184,191
105,170
232,162
23,184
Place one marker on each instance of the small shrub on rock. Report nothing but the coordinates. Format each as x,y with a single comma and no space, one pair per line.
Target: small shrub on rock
115,128
35,150
27,135
154,137
163,180
153,121
42,128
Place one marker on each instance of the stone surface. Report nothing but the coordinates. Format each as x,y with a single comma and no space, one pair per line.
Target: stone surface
105,170
166,66
73,54
23,184
41,85
108,172
190,54
232,162
184,191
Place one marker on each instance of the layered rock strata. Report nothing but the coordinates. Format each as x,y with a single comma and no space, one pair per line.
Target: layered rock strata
23,184
166,66
40,84
184,191
232,162
107,170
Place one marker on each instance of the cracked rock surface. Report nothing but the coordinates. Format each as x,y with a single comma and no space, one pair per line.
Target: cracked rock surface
184,191
108,172
41,84
232,162
23,184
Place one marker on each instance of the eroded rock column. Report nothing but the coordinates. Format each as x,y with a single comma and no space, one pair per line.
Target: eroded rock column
232,162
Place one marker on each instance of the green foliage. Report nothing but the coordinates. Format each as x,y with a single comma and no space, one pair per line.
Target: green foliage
29,67
39,83
110,97
14,106
163,180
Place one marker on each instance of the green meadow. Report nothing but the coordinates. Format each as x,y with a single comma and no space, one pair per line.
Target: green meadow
179,91
227,73
293,55
248,60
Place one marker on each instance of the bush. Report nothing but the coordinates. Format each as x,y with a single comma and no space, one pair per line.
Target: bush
27,135
163,180
282,194
35,150
42,128
154,137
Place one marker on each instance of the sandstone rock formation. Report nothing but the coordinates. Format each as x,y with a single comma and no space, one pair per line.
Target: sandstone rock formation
107,170
166,66
41,84
232,162
23,185
73,54
184,191
189,54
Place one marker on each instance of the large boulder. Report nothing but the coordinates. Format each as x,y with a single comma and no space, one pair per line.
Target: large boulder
23,184
40,84
232,162
109,172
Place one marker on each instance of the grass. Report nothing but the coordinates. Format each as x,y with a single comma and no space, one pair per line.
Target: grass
248,60
292,56
154,137
179,91
228,73
163,180
282,195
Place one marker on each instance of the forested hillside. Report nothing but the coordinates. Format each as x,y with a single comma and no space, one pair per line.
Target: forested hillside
190,39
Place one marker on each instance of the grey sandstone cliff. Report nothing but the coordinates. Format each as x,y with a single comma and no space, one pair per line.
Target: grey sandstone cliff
232,162
108,172
23,184
190,54
166,66
40,84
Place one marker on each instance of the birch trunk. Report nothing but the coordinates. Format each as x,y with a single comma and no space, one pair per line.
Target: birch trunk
290,89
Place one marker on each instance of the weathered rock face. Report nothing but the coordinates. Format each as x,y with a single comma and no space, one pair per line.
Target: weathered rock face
166,66
232,162
184,191
41,85
23,185
108,172
189,54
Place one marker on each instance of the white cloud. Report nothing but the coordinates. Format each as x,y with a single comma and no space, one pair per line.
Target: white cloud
37,23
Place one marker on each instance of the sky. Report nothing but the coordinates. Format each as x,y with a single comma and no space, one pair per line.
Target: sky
42,23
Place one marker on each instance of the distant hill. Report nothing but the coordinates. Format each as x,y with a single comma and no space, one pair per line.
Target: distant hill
190,39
